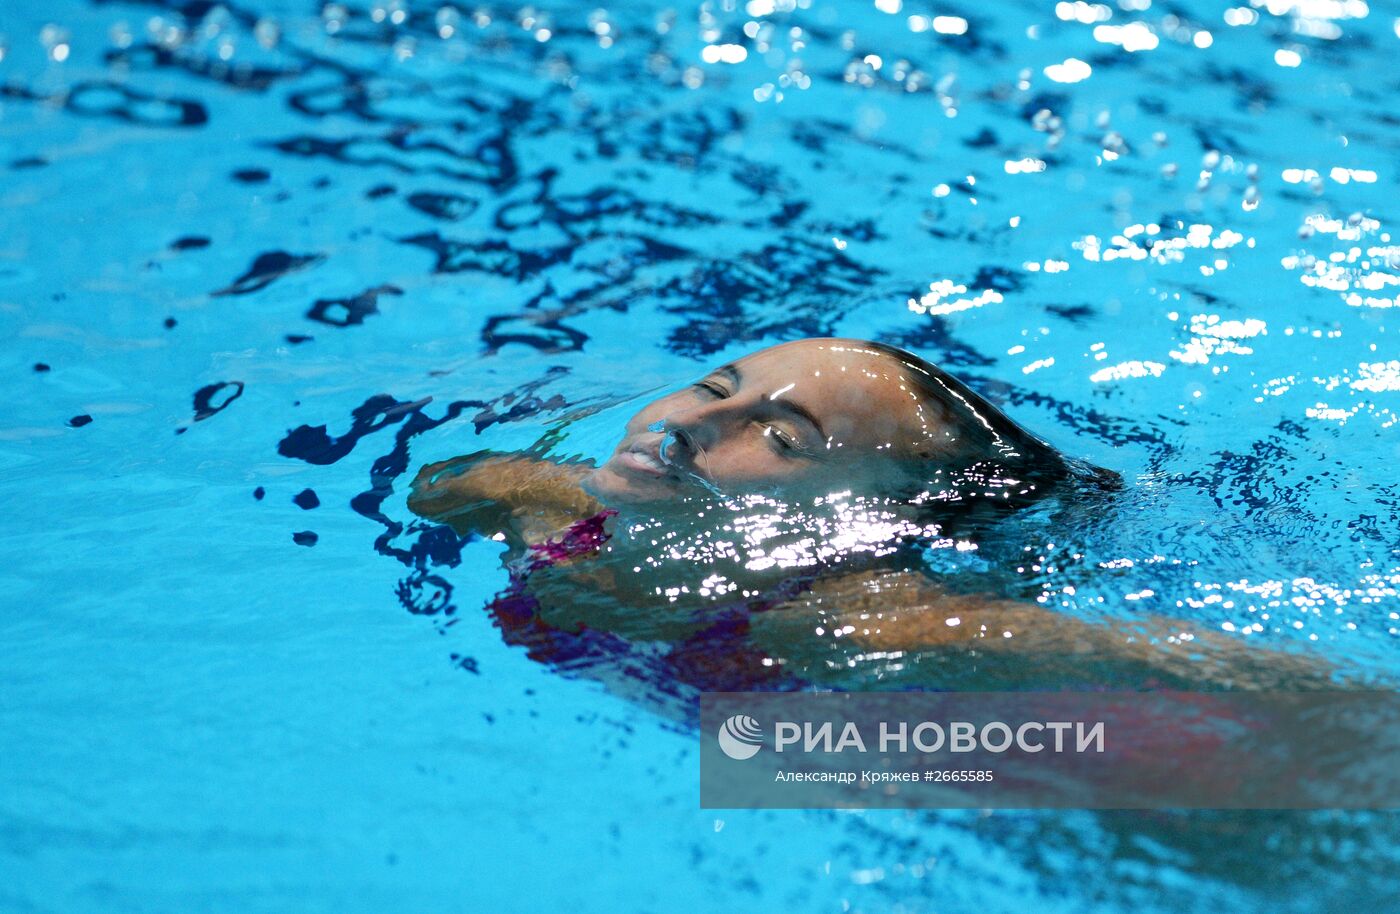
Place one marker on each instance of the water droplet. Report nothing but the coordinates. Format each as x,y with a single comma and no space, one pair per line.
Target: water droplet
120,35
334,16
268,33
447,19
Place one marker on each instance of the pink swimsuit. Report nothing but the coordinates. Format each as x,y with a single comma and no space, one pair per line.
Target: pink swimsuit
716,658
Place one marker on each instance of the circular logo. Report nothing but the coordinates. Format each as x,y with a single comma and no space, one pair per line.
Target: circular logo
740,737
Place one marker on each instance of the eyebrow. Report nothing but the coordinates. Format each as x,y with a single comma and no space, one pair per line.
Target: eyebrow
790,406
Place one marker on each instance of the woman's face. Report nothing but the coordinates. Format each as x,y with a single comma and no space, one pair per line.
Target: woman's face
798,420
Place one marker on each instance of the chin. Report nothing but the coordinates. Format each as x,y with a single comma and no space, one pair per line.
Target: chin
613,487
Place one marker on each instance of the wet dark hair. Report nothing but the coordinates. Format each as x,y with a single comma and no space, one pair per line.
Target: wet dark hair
1005,464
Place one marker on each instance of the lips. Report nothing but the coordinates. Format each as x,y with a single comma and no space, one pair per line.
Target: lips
644,458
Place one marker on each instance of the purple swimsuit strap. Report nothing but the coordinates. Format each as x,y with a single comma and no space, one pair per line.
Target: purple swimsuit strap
582,537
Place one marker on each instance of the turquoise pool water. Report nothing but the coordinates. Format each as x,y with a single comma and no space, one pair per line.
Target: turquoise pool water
251,252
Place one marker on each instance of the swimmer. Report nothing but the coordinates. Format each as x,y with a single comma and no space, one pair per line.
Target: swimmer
762,526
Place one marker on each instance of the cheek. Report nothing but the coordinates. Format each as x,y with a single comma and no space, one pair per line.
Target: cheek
741,459
754,463
870,476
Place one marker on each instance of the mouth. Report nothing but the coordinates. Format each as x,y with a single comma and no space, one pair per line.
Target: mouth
644,457
649,458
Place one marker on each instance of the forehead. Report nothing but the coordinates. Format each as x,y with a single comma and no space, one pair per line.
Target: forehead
861,396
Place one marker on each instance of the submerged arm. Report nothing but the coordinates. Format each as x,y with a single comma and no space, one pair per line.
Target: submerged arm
524,498
972,642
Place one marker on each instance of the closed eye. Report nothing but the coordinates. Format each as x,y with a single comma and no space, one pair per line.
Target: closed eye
712,388
781,439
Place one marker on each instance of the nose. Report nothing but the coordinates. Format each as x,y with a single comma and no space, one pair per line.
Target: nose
701,428
679,447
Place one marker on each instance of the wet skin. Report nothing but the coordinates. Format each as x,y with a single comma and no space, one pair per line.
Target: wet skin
798,420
